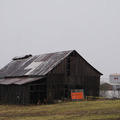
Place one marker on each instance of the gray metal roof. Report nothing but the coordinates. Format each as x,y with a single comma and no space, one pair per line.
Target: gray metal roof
18,81
33,65
37,65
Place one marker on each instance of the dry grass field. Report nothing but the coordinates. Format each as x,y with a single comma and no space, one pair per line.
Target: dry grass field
82,110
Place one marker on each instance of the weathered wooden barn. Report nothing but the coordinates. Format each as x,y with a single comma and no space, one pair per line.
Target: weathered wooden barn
47,77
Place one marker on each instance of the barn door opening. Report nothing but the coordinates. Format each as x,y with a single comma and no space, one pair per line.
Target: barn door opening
38,92
66,91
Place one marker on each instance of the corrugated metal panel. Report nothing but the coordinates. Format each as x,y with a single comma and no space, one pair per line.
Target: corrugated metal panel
18,81
33,65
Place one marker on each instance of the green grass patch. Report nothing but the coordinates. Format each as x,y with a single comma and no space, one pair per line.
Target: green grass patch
82,110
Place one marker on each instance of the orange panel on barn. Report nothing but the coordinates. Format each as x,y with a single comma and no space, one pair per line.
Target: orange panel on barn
77,94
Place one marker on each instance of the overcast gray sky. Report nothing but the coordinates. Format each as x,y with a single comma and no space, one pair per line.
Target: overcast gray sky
92,27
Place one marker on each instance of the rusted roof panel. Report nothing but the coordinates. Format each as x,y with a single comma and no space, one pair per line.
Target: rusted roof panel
33,65
18,81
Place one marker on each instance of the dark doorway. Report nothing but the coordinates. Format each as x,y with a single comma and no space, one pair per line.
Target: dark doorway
66,91
38,92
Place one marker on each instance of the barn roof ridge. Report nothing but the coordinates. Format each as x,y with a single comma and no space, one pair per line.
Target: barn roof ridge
30,55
